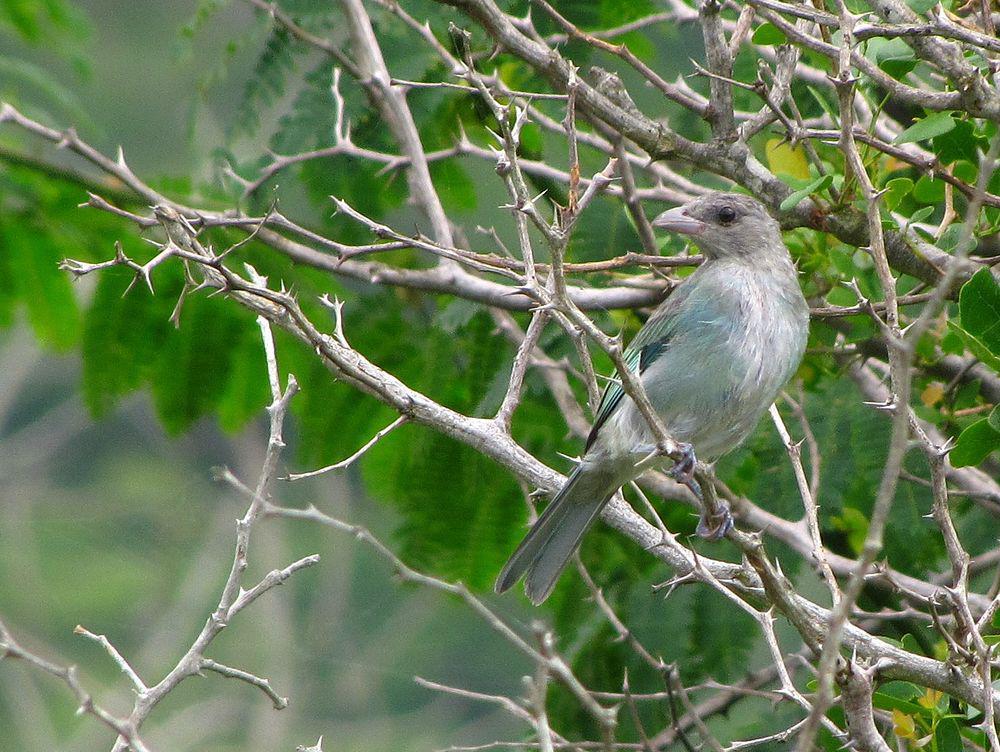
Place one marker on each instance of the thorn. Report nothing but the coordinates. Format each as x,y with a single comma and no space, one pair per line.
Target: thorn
463,137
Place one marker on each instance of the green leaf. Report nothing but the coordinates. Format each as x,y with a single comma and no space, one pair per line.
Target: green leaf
891,697
967,395
951,344
951,241
933,125
960,143
603,230
921,6
456,314
895,191
994,418
25,18
311,119
947,736
979,304
975,444
193,366
718,647
769,34
246,391
893,56
794,199
433,481
46,90
976,346
123,334
8,289
269,79
902,689
929,191
33,257
853,523
821,99
614,13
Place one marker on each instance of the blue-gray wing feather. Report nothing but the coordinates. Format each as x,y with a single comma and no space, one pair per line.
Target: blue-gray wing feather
650,343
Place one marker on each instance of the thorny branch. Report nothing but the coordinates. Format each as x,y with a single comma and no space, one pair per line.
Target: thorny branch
9,648
234,596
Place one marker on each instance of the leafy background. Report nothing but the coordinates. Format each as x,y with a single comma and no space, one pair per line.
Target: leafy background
110,418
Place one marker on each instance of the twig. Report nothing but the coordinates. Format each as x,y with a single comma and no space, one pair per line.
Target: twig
264,685
857,701
381,433
117,657
126,729
808,503
554,663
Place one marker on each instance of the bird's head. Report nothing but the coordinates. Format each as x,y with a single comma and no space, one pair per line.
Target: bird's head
725,225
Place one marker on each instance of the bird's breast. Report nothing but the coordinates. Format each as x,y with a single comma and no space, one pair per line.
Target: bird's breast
732,352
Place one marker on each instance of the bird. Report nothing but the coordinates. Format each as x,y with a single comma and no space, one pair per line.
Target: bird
712,358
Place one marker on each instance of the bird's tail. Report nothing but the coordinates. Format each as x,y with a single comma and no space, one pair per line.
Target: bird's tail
543,553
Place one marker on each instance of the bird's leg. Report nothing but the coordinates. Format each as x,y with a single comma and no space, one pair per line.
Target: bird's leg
714,524
683,470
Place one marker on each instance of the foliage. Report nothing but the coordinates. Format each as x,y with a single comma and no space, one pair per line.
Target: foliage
979,330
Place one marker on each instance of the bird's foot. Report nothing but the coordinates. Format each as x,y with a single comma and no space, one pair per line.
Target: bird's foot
714,526
683,470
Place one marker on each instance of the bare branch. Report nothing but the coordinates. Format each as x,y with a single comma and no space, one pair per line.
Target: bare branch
280,703
809,503
126,729
117,657
354,457
857,701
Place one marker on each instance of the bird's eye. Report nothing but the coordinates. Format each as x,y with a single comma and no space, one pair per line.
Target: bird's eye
727,214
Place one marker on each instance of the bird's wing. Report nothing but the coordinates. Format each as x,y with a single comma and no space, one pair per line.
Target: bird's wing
649,344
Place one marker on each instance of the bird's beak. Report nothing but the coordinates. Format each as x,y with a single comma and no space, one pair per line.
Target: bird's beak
677,220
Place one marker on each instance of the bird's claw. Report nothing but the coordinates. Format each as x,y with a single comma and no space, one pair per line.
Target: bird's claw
714,527
683,470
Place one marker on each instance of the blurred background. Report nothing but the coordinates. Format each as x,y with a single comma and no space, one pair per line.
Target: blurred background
114,524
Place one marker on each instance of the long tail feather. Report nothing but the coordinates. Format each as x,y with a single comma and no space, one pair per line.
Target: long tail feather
547,547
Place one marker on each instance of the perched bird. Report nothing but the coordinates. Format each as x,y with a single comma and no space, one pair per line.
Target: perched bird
712,358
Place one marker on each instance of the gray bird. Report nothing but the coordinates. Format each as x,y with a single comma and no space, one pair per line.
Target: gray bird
712,358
